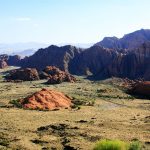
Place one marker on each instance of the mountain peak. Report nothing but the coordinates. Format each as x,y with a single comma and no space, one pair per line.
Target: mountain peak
128,41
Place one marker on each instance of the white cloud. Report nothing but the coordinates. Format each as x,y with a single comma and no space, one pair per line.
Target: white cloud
23,19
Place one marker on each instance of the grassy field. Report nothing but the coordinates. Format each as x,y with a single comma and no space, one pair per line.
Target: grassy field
105,111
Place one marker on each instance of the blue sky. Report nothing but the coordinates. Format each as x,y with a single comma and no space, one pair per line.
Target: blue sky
70,21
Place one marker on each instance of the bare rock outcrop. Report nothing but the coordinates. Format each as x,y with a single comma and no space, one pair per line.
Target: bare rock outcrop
27,74
3,64
140,88
46,100
3,61
14,60
56,76
128,41
52,56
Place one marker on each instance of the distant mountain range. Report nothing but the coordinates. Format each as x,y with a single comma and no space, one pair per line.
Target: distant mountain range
125,57
19,47
24,53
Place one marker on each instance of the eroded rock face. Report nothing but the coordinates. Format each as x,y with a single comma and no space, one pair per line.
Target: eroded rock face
92,61
56,76
46,100
134,64
14,60
3,64
28,74
128,41
52,56
3,61
11,60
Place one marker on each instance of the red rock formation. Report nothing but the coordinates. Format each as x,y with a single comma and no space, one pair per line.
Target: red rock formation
138,87
28,74
56,76
46,100
141,88
3,64
3,61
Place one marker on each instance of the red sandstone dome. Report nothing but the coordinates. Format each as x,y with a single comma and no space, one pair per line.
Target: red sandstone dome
46,100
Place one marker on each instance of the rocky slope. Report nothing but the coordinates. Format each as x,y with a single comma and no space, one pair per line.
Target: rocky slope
92,61
52,56
3,61
133,64
128,41
3,64
97,61
11,60
103,63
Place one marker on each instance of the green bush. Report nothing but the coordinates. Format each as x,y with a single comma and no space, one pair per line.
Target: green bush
117,145
111,145
16,103
135,145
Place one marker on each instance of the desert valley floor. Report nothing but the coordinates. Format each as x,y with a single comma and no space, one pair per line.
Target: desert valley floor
105,112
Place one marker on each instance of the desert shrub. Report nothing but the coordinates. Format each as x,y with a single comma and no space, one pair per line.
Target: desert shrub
117,145
16,103
135,145
111,145
4,142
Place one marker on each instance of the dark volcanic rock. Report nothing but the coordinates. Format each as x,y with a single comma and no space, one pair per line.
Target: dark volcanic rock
28,74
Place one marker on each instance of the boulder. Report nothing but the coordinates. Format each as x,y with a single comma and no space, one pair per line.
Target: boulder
27,74
46,100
